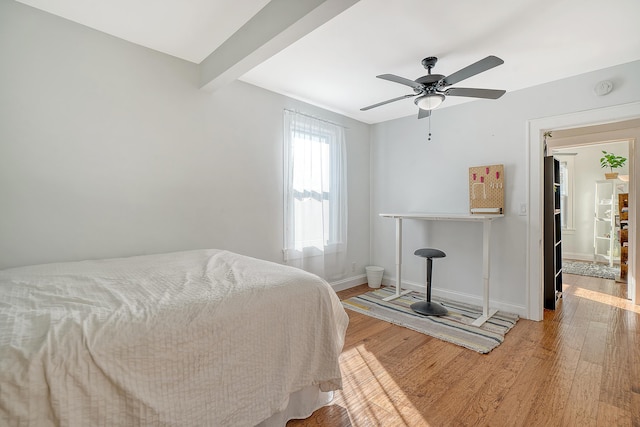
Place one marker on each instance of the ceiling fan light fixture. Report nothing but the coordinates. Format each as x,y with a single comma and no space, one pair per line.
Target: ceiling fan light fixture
430,90
429,101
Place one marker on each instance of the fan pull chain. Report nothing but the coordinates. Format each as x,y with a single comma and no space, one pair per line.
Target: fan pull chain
429,139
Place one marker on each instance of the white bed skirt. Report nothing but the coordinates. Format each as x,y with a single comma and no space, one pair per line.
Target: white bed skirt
301,405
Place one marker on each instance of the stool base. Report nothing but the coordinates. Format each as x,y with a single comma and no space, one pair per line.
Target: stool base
428,308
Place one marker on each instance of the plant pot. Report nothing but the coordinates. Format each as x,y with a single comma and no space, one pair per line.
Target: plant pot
374,276
612,175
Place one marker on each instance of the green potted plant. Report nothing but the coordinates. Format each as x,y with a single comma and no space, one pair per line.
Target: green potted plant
611,161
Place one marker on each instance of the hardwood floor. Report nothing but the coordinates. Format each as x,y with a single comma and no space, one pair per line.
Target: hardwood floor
580,366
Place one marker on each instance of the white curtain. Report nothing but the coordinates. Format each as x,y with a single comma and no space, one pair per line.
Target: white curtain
315,196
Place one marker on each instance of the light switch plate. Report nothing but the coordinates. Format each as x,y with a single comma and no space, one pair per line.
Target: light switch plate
523,209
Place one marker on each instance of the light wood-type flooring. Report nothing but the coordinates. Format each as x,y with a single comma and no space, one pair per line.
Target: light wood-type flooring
578,367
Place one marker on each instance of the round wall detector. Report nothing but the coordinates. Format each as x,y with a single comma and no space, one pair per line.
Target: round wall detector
602,88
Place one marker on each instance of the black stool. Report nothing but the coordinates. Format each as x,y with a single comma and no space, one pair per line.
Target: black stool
427,307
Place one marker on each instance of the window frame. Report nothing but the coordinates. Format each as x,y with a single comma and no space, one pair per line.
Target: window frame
568,211
333,242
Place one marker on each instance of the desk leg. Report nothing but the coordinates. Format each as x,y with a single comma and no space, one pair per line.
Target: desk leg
399,291
486,265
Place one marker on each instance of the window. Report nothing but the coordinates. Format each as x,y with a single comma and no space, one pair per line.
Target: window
566,192
315,208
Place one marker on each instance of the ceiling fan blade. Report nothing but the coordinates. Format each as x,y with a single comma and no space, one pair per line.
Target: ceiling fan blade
401,80
387,102
475,93
476,68
423,113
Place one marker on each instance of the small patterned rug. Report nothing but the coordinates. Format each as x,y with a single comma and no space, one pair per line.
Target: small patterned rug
455,327
592,269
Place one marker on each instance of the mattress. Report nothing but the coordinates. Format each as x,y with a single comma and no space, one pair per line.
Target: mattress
194,338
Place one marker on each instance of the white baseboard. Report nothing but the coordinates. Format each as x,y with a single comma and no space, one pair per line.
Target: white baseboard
577,256
520,310
349,282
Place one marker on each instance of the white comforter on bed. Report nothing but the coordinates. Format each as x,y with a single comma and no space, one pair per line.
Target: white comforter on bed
197,338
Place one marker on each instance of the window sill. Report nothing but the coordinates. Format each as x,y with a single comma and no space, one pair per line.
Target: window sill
310,252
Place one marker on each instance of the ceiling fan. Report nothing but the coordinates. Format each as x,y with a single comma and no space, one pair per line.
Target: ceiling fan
431,90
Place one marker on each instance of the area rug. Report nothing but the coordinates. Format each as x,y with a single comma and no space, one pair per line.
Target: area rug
455,327
590,269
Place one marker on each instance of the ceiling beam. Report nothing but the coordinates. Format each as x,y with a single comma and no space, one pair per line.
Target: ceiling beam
274,27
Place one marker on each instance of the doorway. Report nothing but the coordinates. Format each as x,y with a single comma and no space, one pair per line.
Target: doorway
536,128
591,214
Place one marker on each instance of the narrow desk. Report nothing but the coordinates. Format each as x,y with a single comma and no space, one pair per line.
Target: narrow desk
486,239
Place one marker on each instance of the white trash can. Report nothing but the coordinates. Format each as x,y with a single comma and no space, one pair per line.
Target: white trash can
374,276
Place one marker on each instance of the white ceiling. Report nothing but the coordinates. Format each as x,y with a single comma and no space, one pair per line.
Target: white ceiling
186,29
334,65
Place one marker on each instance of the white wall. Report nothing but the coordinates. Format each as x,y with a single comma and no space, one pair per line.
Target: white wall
410,174
110,149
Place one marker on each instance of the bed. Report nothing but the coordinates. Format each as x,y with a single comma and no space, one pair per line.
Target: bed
195,338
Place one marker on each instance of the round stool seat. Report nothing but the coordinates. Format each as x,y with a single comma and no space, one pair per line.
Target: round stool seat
430,253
